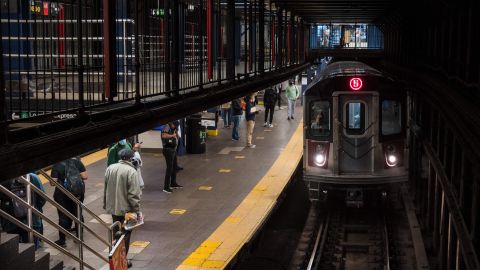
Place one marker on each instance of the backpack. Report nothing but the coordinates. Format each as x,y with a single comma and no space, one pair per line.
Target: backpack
243,105
18,210
73,181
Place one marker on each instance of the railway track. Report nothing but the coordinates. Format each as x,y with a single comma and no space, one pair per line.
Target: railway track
352,238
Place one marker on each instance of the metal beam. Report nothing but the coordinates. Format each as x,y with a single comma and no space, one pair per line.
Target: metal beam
73,137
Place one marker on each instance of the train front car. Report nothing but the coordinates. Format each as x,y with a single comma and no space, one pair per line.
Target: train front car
354,131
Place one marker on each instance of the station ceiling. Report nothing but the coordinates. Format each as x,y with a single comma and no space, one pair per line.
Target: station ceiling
337,11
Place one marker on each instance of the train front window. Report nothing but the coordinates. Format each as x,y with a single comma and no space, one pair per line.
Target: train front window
320,118
355,118
391,117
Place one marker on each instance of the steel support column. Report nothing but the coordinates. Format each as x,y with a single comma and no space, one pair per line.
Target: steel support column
175,47
201,52
166,41
109,49
219,41
230,39
137,52
80,66
261,36
280,39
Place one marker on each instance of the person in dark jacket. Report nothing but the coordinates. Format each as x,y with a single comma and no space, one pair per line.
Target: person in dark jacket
170,143
269,99
237,113
250,117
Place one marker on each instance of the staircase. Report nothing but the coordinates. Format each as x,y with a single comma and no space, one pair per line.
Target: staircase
17,256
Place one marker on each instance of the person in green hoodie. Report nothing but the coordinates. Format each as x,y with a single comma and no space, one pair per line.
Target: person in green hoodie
292,93
112,156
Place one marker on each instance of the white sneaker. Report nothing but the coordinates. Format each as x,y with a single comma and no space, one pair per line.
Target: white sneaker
266,124
270,125
251,146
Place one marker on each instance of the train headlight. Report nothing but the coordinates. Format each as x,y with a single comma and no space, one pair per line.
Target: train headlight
320,156
320,159
391,156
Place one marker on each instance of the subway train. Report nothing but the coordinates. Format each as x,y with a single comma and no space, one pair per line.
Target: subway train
355,131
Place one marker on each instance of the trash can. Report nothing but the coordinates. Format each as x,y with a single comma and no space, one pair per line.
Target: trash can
196,135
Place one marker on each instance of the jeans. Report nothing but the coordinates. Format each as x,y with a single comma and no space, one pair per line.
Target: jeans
171,173
269,109
236,123
250,126
291,108
121,219
227,116
63,220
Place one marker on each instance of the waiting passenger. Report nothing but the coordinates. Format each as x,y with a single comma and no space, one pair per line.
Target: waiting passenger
292,95
70,174
226,114
170,141
138,163
38,203
122,193
237,113
250,112
113,151
269,100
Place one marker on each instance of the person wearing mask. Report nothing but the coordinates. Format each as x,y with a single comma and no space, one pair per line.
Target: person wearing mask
269,99
237,113
170,141
113,151
250,112
72,168
121,196
292,95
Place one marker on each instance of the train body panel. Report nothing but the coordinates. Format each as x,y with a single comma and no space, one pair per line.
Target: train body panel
355,125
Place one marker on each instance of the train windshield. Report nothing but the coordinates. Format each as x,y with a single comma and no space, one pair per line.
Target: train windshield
355,118
391,117
320,118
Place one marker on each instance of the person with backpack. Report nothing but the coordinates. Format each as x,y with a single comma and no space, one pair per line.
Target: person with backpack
71,174
269,99
18,211
112,156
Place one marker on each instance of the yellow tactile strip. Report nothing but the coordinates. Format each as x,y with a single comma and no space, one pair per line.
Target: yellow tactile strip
222,245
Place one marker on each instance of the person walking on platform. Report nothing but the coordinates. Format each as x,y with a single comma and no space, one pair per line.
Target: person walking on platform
70,174
169,141
269,99
121,195
250,117
237,113
113,151
292,94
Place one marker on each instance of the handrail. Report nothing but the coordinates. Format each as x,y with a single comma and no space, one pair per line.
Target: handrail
39,235
77,219
63,210
40,214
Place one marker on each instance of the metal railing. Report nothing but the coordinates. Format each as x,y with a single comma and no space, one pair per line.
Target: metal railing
78,220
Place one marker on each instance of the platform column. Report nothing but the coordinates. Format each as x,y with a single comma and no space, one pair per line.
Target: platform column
280,38
231,40
176,47
261,36
109,47
166,45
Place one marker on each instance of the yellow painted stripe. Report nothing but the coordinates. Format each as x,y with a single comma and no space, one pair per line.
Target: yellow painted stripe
238,228
87,160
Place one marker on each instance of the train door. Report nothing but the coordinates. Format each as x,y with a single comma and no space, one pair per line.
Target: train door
356,132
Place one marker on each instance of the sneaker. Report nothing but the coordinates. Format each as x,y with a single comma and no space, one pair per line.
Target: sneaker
251,146
176,186
288,118
236,140
266,124
270,125
167,190
61,243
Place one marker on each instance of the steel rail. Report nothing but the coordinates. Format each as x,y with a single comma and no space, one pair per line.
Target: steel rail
319,243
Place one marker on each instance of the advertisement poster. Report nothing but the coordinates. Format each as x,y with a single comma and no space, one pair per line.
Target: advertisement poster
118,256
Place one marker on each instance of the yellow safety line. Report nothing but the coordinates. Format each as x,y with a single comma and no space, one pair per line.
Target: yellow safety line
87,160
238,228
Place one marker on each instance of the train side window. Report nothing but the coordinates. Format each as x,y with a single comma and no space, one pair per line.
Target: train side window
320,118
391,117
355,120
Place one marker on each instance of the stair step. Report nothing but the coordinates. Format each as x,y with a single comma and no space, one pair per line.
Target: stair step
56,265
25,257
8,247
42,260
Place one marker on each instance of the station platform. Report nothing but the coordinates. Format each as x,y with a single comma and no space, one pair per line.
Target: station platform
228,192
